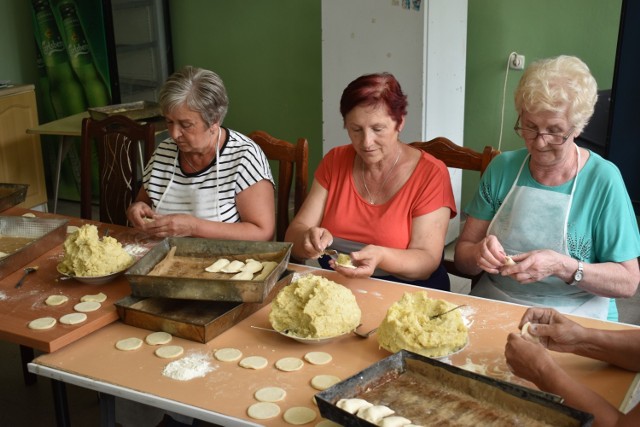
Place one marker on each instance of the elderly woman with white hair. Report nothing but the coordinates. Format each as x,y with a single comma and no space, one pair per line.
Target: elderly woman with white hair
552,223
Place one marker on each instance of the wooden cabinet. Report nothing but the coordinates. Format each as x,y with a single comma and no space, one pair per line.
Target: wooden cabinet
20,153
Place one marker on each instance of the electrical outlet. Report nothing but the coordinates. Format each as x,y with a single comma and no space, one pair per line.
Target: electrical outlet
516,62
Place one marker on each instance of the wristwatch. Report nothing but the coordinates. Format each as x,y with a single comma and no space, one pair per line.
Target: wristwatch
577,276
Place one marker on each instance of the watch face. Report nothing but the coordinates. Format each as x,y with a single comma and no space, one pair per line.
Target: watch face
578,276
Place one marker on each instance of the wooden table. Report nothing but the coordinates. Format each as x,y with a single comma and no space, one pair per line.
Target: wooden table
224,395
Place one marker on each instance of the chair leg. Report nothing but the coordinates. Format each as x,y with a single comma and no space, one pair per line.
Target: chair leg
26,356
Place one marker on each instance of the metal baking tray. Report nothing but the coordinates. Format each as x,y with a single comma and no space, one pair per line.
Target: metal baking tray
199,321
46,235
478,399
12,195
134,110
218,287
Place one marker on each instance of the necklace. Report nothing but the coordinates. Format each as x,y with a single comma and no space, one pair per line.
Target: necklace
371,198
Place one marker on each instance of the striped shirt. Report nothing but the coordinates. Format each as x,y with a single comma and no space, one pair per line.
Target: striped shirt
205,194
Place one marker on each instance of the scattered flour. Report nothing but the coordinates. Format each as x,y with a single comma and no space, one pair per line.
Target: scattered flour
188,368
3,296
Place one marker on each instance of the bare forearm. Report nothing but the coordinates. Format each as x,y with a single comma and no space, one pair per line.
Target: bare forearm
465,259
412,264
578,396
230,231
620,348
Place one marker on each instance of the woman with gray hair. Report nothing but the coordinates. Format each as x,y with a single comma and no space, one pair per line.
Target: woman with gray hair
205,180
552,224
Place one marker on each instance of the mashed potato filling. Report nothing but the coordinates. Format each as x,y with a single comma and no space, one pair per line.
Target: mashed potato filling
408,325
86,255
315,307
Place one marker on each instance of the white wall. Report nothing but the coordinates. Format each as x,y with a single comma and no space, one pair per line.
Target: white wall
425,49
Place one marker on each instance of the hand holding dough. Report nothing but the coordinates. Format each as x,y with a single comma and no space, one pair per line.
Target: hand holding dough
526,335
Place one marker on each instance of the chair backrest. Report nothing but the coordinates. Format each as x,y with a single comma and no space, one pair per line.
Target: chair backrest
122,146
455,156
293,164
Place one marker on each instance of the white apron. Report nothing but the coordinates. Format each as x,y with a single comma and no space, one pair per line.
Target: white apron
530,219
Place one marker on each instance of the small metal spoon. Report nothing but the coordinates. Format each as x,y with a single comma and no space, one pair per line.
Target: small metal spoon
364,334
448,311
25,274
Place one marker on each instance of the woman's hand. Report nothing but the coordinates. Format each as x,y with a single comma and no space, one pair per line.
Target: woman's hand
534,266
174,225
555,331
365,260
490,255
528,360
137,213
314,241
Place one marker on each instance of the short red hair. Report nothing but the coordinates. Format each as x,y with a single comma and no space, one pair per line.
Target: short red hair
374,90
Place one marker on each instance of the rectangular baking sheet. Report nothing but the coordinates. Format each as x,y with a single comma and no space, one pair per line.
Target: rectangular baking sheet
134,110
195,284
199,321
12,195
46,234
429,392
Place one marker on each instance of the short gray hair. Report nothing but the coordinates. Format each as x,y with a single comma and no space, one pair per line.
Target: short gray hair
200,90
562,84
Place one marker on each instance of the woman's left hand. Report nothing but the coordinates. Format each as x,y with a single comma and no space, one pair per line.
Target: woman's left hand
533,266
365,260
174,225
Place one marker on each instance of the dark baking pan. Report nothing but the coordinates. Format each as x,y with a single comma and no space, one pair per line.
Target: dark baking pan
425,390
12,195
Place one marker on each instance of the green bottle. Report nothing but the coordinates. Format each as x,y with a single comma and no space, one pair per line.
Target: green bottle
79,52
67,96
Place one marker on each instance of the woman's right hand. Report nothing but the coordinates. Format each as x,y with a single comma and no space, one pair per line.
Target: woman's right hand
138,212
315,241
556,331
490,255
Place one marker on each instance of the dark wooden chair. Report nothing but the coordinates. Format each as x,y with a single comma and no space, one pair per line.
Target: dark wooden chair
455,156
123,146
293,164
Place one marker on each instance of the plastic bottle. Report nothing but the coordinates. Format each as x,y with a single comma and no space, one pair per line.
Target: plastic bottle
79,51
67,95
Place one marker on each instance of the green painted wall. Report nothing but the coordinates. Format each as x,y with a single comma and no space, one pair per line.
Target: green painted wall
267,53
536,29
17,47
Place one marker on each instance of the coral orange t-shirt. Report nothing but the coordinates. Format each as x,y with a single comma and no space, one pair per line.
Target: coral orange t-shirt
349,216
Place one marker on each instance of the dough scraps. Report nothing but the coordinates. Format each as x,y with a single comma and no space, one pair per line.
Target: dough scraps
53,300
263,410
169,351
254,362
318,357
42,323
270,394
289,364
299,415
158,338
189,367
323,382
100,297
129,344
227,354
526,335
87,306
73,318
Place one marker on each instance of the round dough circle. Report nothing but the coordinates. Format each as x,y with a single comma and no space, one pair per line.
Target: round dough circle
270,394
318,357
227,354
158,338
254,362
299,415
56,300
289,364
323,382
42,323
169,351
100,297
86,306
129,344
73,318
263,410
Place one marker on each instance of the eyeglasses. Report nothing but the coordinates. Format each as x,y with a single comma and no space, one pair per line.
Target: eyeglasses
549,138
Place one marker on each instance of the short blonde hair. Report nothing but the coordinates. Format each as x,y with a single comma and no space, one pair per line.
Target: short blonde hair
562,84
